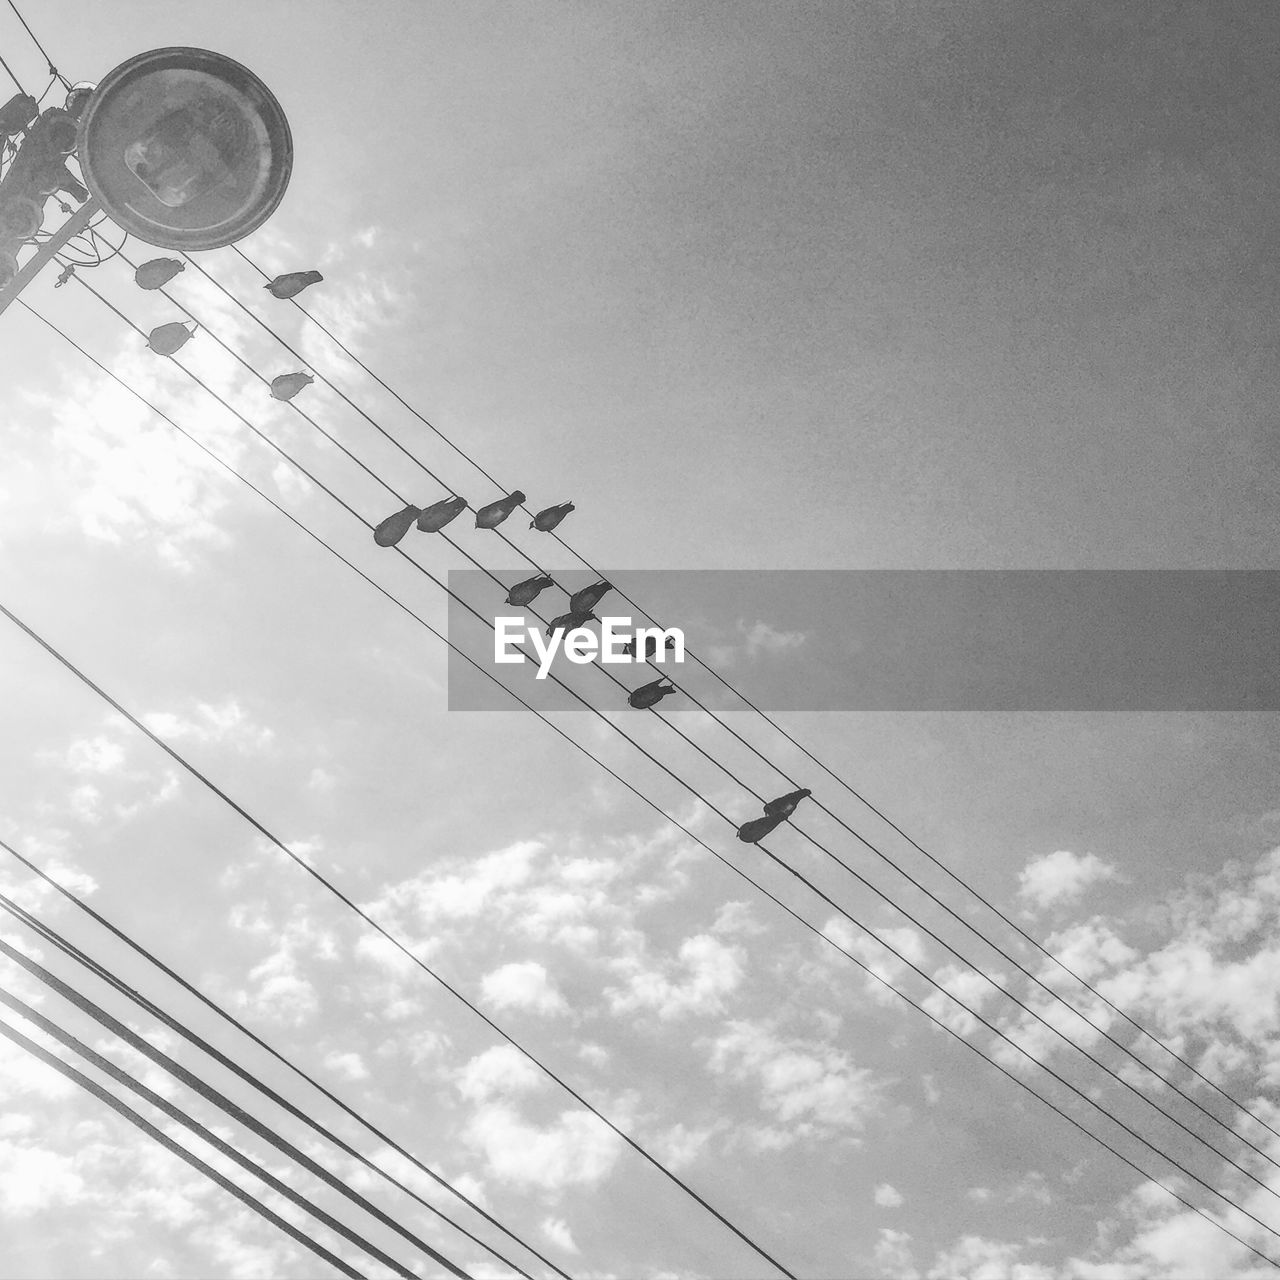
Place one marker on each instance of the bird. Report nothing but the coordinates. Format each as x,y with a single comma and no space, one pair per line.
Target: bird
650,645
754,831
649,694
393,528
786,805
571,621
495,513
165,339
527,591
157,273
438,514
292,284
590,596
549,517
287,385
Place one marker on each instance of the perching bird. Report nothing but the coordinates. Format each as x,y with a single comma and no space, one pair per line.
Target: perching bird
292,284
527,591
393,528
650,646
287,385
590,596
438,514
165,339
570,621
495,513
786,805
157,272
549,517
649,694
754,831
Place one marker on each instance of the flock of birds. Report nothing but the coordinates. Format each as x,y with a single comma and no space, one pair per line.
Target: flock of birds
166,339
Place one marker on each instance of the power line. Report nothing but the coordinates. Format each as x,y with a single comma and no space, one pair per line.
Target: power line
68,948
1036,1015
9,73
1055,995
158,1135
53,71
354,906
793,872
238,1113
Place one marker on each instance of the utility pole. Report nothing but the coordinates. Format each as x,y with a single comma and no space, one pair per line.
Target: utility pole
73,226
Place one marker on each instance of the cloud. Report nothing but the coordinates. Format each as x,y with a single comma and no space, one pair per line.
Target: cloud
760,638
33,1180
524,986
808,1085
500,1072
347,1064
576,1150
974,1258
1061,877
888,1197
707,971
223,723
557,1231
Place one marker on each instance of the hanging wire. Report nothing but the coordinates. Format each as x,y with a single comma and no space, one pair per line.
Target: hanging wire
53,71
174,1024
9,72
884,857
718,856
158,1135
224,1104
1054,994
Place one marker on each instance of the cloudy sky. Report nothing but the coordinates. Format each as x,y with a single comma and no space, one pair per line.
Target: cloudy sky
904,284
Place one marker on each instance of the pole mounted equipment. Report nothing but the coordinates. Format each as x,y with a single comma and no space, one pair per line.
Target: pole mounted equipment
185,149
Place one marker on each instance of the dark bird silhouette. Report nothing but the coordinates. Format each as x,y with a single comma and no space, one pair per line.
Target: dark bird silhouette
754,831
157,273
649,694
438,514
165,339
590,596
650,645
527,591
292,284
393,528
549,517
786,805
287,385
495,513
569,621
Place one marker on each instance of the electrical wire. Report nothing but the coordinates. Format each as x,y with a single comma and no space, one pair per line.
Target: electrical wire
1009,958
236,1112
1054,994
53,71
68,948
819,934
133,1117
9,72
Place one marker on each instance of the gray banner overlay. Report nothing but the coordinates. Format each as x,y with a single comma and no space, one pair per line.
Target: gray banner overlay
903,640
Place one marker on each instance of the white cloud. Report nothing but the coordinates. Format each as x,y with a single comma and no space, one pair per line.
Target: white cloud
888,1197
500,1072
576,1150
557,1231
1061,877
347,1064
893,1256
33,1180
226,722
524,985
706,973
808,1085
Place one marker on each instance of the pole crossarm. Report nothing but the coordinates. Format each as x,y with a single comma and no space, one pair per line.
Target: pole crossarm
73,226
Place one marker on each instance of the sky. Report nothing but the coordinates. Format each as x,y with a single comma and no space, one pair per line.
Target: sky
897,285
